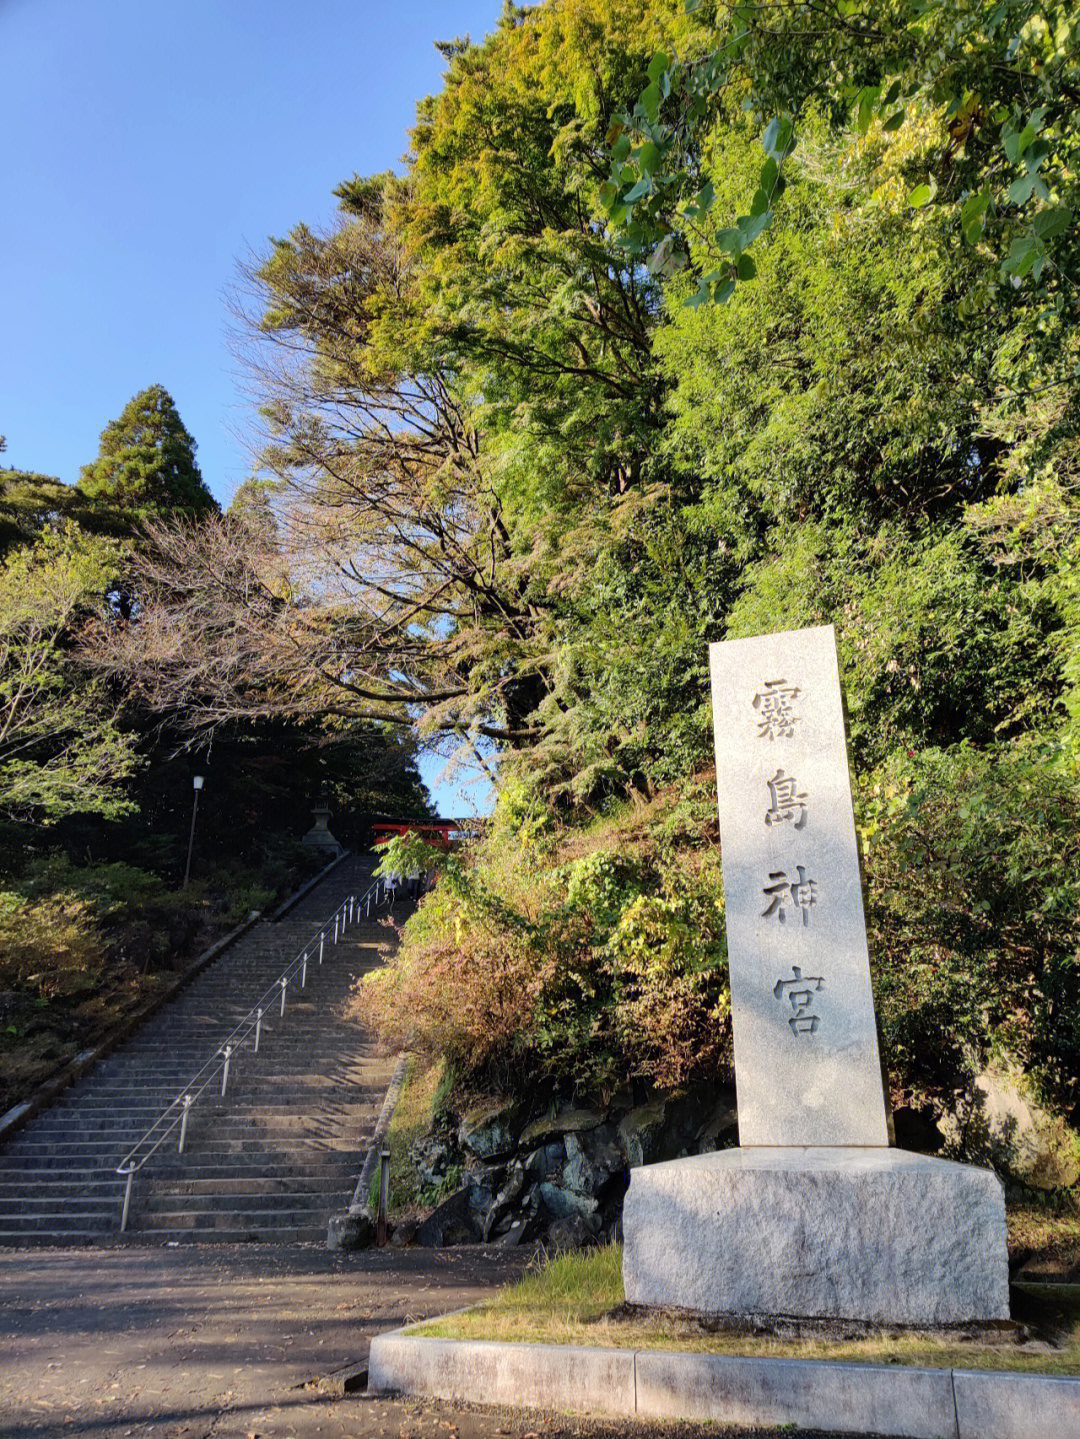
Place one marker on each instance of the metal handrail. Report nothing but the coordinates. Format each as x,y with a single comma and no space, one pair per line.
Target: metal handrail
176,1113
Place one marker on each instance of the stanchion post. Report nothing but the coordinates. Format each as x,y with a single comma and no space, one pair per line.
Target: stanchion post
384,1197
127,1198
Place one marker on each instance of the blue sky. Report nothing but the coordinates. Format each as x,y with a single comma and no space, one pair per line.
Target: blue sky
144,148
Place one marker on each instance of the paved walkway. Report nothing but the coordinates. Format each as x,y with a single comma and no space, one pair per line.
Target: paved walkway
222,1342
207,1340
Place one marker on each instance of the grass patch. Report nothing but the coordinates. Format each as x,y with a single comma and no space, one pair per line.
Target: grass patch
410,1122
1047,1232
578,1299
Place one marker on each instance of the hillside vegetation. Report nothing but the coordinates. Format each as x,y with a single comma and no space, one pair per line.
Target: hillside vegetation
96,785
878,432
687,323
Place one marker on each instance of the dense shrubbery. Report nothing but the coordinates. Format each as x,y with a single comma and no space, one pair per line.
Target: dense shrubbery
586,959
877,431
557,476
974,907
83,945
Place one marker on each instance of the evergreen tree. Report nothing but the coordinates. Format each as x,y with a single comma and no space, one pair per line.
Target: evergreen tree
252,509
146,462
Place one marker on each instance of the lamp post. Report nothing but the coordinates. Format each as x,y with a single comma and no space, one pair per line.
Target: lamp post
197,781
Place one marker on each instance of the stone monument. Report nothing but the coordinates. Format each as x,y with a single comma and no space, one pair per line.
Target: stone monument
814,1215
319,836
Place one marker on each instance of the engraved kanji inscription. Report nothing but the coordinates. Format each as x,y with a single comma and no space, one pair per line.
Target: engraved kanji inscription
799,894
800,994
775,704
788,805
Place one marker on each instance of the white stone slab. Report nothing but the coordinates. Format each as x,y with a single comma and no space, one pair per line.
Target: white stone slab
1016,1406
873,1234
536,1376
807,1066
796,1393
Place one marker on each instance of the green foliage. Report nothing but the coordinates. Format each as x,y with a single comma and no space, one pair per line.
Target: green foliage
973,869
61,750
877,430
31,504
989,91
587,970
146,463
937,648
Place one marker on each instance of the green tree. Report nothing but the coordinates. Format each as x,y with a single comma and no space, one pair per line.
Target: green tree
982,98
146,463
463,391
61,749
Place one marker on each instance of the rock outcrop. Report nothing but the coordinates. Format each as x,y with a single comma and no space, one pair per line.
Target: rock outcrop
560,1176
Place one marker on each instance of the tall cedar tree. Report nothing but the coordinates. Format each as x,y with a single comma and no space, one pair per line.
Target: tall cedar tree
146,462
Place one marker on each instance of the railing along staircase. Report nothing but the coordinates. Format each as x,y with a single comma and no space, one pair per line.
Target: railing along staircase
248,1031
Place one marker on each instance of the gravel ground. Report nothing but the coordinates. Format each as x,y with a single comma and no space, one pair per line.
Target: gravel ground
193,1342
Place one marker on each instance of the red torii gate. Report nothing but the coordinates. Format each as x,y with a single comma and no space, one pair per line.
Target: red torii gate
436,832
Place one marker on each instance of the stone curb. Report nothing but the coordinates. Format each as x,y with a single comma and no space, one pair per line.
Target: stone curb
481,1371
845,1398
52,1088
359,1202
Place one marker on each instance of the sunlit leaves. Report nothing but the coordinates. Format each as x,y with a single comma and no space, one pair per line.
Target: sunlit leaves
994,85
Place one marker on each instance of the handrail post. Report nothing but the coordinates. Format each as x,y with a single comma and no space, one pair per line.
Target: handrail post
384,1197
367,906
347,912
127,1197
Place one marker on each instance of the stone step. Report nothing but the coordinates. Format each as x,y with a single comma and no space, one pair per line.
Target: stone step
106,1219
219,1153
23,1198
269,1129
295,1103
270,1160
240,1170
281,1129
149,1200
93,1126
207,1221
212,1163
236,1206
110,1236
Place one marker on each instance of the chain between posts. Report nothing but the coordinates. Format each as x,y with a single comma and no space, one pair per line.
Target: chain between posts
249,1027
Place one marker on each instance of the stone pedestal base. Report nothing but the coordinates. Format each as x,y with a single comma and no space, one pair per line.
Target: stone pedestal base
874,1234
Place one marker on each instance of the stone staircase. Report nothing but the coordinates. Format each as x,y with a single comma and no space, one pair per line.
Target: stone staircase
273,1159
